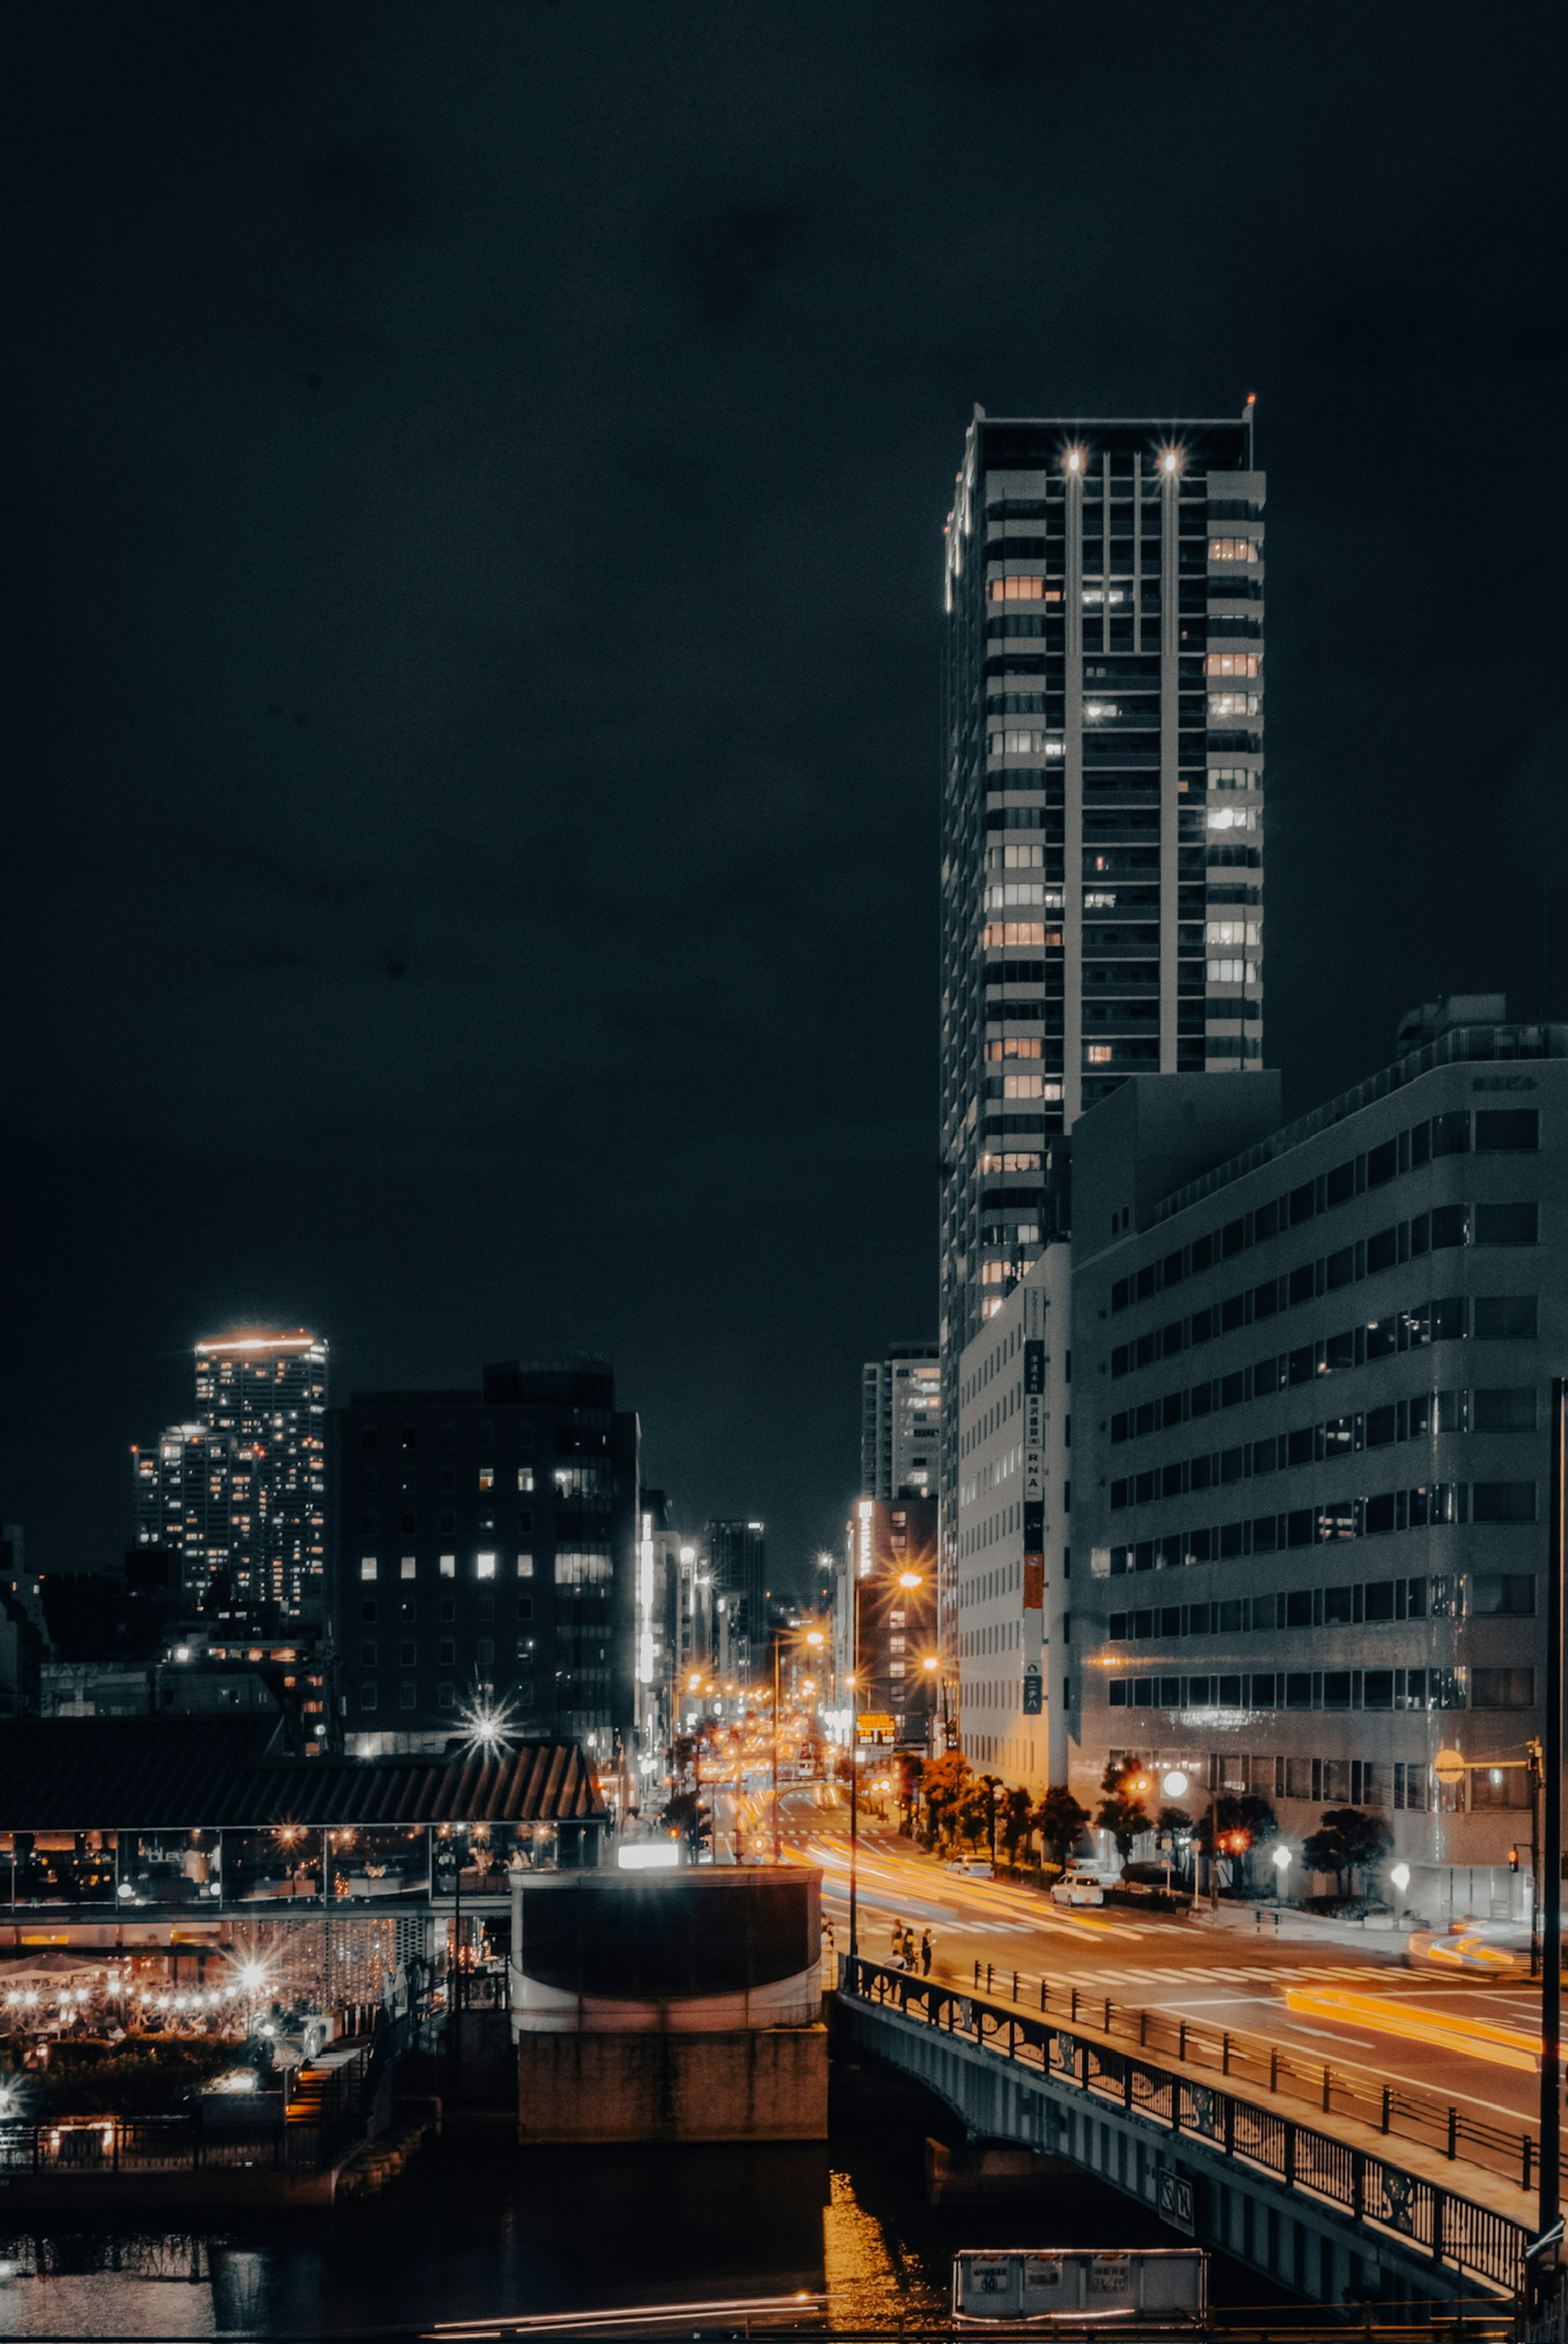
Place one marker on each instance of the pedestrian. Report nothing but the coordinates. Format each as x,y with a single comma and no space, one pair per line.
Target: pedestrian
897,1946
908,1949
925,1952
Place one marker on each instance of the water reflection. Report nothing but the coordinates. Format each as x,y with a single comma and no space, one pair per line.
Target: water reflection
477,2227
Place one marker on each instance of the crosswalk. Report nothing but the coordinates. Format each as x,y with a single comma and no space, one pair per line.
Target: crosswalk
1212,1973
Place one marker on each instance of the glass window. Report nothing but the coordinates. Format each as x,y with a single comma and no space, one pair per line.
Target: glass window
367,1566
484,1566
408,1567
448,1566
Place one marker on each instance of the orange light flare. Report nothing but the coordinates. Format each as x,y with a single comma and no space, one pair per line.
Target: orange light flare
1503,2046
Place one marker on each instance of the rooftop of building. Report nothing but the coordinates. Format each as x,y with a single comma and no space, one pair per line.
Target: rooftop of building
1449,1043
212,1773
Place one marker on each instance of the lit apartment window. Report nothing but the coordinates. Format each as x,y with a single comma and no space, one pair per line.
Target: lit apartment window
1022,590
994,1273
1096,711
1231,777
1019,932
1233,817
1224,705
448,1566
1100,901
1231,663
1232,972
1098,1053
484,1566
486,1477
1029,856
525,1476
1016,1045
525,1566
408,1568
1232,549
1040,1086
1016,743
1231,932
367,1566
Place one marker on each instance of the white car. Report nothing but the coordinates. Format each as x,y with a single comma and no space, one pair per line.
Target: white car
971,1867
1082,1885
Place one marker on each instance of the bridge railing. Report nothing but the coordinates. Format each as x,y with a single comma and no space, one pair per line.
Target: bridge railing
1400,2114
1454,2231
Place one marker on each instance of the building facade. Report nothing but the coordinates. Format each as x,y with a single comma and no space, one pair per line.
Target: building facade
239,1492
1102,808
901,1423
485,1556
738,1556
885,1629
1006,1686
1312,1384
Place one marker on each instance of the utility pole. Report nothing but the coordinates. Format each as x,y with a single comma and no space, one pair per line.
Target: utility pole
853,1755
778,1853
1551,1829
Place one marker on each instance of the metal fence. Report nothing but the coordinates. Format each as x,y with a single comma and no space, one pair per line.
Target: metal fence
99,2145
1403,2115
1454,2231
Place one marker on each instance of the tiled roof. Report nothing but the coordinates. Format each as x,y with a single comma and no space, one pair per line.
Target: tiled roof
145,1774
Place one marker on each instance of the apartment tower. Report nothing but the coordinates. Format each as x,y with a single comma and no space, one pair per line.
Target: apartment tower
1102,808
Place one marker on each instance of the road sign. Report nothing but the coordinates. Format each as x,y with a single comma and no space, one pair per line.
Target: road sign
870,1723
1448,1766
1032,1692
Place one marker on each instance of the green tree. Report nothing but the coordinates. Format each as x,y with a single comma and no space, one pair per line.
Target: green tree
1060,1822
1347,1842
977,1812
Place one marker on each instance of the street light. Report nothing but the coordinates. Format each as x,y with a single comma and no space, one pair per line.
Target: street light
1399,1876
1281,1860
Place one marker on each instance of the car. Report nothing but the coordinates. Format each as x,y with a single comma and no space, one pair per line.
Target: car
1079,1888
971,1867
1471,1948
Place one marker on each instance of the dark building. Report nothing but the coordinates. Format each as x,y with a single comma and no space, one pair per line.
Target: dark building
888,1587
483,1562
738,1553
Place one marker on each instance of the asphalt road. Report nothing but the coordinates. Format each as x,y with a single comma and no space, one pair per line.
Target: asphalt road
1264,1992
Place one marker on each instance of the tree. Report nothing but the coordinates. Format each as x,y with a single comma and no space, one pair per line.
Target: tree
977,1812
1348,1841
1122,1811
942,1786
1244,1821
1060,1822
1016,1820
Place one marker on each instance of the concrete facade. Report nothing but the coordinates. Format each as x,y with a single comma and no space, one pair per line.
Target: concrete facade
751,2085
1006,1630
1313,1388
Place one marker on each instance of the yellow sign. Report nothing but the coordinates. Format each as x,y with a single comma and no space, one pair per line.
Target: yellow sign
1448,1766
869,1722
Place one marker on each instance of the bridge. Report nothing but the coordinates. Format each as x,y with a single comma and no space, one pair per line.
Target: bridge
1334,2209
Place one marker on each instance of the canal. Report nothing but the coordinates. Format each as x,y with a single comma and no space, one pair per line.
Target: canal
478,2226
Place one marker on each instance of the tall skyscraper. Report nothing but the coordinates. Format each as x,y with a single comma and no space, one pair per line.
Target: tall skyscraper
241,1488
900,1422
1102,807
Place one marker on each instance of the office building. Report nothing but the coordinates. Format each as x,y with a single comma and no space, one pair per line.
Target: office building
900,1423
1312,1367
485,1552
1006,1681
1102,808
738,1552
238,1492
885,1624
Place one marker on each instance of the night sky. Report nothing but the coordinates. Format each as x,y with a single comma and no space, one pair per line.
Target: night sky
474,480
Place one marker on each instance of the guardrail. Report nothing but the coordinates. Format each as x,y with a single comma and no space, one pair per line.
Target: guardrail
98,2144
1404,2115
1453,2230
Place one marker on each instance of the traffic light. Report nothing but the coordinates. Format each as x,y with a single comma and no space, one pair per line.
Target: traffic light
1514,1859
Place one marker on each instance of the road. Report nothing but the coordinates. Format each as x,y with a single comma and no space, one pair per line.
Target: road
1267,1991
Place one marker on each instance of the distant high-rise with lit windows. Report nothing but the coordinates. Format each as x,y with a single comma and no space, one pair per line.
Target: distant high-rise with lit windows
1102,808
240,1490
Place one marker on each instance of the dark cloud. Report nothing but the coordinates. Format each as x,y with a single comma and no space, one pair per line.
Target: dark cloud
473,528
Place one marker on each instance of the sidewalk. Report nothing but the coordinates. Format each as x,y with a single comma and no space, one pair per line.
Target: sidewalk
1272,1923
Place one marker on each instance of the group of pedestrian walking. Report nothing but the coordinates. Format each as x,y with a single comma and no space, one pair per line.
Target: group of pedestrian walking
905,1955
